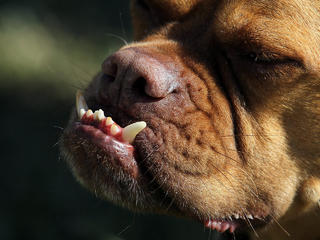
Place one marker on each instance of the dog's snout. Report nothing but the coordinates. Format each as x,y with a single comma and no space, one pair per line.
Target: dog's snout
138,73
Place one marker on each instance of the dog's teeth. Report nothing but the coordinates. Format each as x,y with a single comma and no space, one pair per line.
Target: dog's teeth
89,113
109,121
80,103
82,113
236,216
131,131
95,115
99,115
224,226
114,130
249,216
208,223
217,226
214,225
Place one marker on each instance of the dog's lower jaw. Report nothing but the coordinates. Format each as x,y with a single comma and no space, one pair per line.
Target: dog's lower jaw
303,226
303,214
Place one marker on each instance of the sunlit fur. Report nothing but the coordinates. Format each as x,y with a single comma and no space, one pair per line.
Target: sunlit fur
243,135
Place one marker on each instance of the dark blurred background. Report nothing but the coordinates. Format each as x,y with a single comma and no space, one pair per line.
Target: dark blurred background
48,49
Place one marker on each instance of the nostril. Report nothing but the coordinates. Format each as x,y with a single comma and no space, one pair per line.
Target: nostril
107,78
110,69
138,87
137,74
113,71
175,91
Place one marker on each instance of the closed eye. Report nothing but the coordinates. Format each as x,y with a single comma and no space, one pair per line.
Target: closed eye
267,58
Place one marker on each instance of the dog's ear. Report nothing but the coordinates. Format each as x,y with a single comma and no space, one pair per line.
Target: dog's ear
149,15
310,193
141,21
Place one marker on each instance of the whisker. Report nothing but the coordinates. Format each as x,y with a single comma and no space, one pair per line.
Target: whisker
164,197
281,227
95,173
122,26
155,176
233,236
170,204
56,143
249,176
118,37
249,135
249,223
125,229
58,127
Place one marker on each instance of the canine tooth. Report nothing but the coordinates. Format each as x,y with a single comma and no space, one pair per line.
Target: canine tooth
132,130
109,121
82,113
236,216
80,103
114,129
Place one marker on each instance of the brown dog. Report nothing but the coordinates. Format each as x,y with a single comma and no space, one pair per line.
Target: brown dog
230,92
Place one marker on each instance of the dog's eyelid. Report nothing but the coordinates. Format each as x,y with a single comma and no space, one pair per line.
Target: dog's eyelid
269,58
263,57
255,50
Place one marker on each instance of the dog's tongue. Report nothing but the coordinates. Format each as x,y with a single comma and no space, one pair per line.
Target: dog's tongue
106,124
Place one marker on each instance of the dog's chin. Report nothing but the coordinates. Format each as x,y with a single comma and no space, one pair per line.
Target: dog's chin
114,170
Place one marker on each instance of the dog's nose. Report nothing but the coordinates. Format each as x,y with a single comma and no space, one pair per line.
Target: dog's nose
138,73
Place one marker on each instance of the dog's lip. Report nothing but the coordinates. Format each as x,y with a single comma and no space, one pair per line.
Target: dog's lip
236,222
122,154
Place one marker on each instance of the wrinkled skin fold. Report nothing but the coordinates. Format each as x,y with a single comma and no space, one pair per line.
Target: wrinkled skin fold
230,92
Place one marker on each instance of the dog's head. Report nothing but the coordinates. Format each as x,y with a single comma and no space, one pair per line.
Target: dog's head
230,92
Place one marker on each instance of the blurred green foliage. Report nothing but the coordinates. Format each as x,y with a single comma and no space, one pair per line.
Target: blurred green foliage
49,49
58,42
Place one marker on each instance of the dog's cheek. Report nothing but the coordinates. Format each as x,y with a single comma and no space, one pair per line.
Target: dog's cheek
301,120
290,99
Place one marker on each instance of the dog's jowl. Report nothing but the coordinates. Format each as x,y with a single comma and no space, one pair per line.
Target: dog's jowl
213,113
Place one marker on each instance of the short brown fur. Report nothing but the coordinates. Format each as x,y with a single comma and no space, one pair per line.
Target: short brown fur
243,134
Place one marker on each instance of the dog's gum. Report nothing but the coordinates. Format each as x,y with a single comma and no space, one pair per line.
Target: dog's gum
109,127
